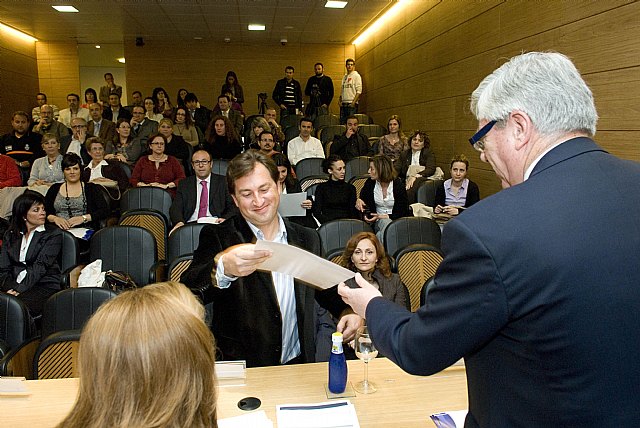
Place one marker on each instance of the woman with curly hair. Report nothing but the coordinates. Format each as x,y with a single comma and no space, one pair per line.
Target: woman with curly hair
221,139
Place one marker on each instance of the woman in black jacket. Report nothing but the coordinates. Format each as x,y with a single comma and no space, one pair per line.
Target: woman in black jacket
29,266
383,197
334,199
416,164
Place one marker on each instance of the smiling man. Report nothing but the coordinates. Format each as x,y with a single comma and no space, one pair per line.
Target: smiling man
539,288
265,318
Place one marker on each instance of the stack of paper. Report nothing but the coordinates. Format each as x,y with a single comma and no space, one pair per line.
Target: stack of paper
256,420
319,415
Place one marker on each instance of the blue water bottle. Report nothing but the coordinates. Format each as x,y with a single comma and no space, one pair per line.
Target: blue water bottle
337,365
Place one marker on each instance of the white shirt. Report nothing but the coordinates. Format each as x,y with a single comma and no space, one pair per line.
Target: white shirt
383,205
74,147
351,85
24,248
529,170
285,292
194,216
298,149
96,171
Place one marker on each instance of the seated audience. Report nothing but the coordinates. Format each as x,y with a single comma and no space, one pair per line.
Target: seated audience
233,88
224,109
394,143
180,98
221,139
190,203
258,125
114,110
150,110
47,170
99,126
73,203
416,164
157,169
458,192
125,149
42,100
20,144
75,143
146,359
200,115
48,124
266,143
162,103
278,134
383,197
29,266
74,110
304,146
364,253
334,199
287,183
101,171
184,127
176,146
142,127
351,144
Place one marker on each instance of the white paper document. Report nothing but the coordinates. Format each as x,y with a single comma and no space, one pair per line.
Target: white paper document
290,204
257,419
303,265
332,414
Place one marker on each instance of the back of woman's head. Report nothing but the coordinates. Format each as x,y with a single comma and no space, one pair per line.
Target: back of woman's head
147,359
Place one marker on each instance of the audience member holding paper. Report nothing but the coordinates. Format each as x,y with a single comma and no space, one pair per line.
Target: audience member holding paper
202,197
265,318
538,290
289,185
458,192
147,359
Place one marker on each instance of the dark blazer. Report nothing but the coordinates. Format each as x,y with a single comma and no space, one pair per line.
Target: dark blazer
201,117
539,292
400,200
97,205
123,113
349,148
473,194
107,130
145,129
184,204
41,261
427,159
247,323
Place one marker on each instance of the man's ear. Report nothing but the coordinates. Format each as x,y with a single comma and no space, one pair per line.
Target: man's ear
235,201
523,128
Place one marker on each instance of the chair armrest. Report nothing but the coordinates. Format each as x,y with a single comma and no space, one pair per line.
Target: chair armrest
158,271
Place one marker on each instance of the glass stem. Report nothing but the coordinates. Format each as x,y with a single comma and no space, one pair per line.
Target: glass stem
366,374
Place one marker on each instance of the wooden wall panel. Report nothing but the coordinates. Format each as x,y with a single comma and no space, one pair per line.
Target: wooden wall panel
18,77
59,71
258,68
425,65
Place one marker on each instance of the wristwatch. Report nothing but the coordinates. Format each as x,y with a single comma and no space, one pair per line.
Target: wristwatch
84,218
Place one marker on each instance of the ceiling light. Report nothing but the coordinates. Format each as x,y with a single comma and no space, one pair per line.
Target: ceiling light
332,4
121,60
256,27
97,46
17,33
65,9
197,38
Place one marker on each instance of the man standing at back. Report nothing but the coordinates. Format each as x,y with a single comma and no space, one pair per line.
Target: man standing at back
108,89
539,289
265,318
319,89
350,91
288,94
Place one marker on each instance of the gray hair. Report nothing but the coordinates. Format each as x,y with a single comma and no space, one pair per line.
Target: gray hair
546,86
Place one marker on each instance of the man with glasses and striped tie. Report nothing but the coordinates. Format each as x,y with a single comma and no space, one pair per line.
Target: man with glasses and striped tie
202,197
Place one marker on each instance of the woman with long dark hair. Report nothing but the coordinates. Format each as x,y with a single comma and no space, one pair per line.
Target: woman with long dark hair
232,86
29,266
162,102
221,139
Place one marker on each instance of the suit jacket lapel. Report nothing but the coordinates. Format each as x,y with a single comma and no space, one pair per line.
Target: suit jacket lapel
34,246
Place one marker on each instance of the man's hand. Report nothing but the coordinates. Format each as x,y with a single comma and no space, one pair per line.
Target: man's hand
350,132
243,259
349,325
358,298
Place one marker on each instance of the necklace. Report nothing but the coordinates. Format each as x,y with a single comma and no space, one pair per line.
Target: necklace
67,199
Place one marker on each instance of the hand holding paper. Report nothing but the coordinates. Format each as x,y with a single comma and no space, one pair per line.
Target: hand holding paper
244,259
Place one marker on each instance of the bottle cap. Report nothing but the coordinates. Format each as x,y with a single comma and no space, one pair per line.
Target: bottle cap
336,337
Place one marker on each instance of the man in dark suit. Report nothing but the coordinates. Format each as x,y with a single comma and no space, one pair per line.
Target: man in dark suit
539,290
98,126
114,110
141,127
200,115
188,205
224,109
261,317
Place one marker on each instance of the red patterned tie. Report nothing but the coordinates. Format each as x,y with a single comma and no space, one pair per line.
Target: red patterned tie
204,200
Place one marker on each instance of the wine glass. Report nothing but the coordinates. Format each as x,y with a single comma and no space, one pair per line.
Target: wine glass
366,351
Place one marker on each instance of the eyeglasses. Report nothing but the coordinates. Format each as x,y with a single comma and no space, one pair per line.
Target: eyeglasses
180,114
157,143
200,163
477,140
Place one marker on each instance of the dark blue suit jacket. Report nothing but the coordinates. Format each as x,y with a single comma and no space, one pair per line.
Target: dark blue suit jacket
539,291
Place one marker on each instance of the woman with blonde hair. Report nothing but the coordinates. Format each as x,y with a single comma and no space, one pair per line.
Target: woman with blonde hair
146,359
